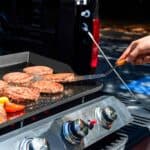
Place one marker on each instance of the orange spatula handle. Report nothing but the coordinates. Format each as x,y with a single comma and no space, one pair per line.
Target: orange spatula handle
120,62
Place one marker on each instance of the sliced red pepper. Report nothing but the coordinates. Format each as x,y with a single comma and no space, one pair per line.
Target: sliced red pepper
12,107
14,115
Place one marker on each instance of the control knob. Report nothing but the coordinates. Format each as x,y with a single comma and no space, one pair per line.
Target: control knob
106,116
34,144
75,131
109,115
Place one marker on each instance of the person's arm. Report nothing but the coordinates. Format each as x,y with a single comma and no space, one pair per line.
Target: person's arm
138,52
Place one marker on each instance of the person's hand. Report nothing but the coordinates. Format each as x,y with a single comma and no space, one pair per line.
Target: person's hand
138,52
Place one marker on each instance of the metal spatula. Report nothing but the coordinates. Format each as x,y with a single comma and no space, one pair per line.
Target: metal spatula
85,28
119,63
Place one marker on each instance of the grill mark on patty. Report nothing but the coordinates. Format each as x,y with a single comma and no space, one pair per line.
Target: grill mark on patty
21,93
18,78
3,115
60,77
48,87
3,85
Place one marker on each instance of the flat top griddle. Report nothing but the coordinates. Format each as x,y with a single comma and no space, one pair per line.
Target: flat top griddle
73,91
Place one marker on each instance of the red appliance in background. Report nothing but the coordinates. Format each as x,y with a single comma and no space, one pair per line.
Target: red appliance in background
96,35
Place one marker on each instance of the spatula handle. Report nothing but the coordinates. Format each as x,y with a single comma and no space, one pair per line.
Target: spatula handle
121,62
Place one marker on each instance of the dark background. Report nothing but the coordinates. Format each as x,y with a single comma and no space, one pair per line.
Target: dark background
129,10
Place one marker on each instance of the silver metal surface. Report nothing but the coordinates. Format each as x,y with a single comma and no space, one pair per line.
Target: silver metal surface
33,144
8,60
98,132
51,128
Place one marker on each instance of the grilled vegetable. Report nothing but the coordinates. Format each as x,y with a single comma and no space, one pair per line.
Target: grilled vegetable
3,115
14,115
3,100
9,106
12,107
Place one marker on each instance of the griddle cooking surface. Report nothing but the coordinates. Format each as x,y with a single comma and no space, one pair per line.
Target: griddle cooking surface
72,91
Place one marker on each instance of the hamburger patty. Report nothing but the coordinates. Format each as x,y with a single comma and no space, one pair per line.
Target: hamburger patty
21,93
17,78
60,77
48,87
3,85
38,70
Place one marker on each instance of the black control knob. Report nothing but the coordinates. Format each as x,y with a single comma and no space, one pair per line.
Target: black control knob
34,144
109,115
75,131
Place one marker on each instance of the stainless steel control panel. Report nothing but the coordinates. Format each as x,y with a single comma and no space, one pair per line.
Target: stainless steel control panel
73,129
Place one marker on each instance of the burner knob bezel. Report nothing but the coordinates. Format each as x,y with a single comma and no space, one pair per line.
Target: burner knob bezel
106,116
28,143
75,131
